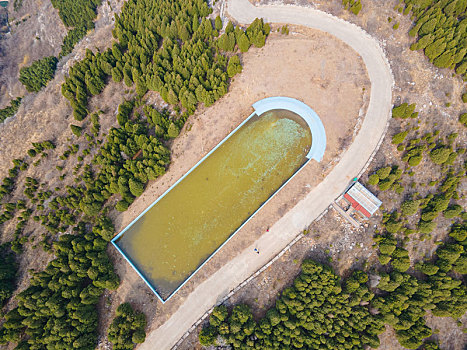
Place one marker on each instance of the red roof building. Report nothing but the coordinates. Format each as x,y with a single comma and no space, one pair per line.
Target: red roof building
362,200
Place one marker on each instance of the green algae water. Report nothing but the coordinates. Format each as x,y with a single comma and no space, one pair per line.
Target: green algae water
173,238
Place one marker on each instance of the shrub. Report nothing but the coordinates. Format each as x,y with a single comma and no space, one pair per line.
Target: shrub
415,160
373,179
227,41
450,252
440,154
234,66
208,336
10,110
122,205
444,265
459,232
461,265
136,187
427,268
452,211
172,131
410,207
387,247
439,202
218,23
384,259
399,138
218,315
429,215
463,119
383,173
243,43
385,185
401,264
426,226
37,75
451,158
139,336
403,111
393,226
400,261
75,129
354,6
127,328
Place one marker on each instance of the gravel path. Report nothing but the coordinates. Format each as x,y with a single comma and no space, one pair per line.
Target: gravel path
353,162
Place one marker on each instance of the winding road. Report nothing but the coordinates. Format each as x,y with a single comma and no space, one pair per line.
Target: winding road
352,163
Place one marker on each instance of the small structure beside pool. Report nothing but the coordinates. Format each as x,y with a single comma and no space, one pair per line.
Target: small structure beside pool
180,231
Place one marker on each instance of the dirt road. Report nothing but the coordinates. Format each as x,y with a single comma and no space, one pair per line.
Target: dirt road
352,163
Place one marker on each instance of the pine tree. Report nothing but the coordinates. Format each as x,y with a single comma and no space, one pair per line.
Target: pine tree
136,187
172,97
172,131
76,130
243,43
229,28
117,75
218,23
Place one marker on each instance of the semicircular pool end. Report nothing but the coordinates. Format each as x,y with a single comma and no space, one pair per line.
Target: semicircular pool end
318,134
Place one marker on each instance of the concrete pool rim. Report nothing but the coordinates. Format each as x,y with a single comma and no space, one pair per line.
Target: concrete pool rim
317,149
318,134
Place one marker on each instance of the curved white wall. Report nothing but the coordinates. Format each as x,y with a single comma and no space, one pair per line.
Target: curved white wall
318,134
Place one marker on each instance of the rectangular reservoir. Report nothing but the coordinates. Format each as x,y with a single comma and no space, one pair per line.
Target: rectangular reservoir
184,227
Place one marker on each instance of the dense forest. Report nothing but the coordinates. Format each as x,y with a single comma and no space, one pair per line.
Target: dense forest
440,28
8,268
168,47
78,17
38,74
58,309
127,328
316,312
10,110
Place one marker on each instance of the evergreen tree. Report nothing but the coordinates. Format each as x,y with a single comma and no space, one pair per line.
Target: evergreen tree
37,75
76,130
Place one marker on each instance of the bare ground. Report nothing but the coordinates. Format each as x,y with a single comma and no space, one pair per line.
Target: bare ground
37,32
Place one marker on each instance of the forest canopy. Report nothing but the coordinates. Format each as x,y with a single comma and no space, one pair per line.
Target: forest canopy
440,28
38,74
164,46
316,312
10,110
78,17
